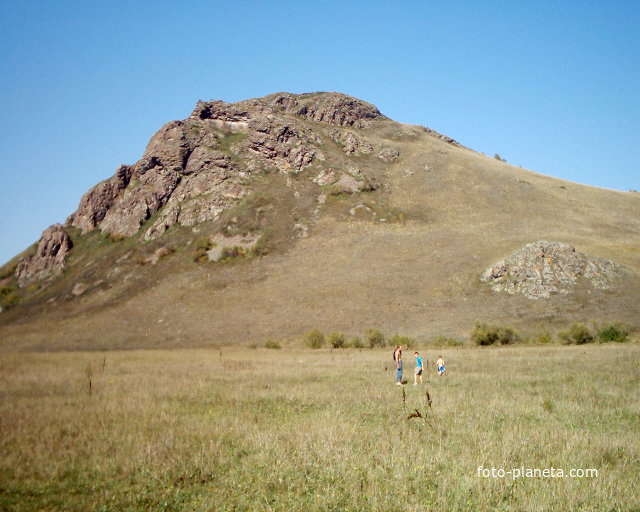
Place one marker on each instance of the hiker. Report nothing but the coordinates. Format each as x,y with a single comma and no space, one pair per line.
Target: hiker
418,372
397,357
440,365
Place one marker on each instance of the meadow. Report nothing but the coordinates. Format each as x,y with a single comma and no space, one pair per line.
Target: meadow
299,429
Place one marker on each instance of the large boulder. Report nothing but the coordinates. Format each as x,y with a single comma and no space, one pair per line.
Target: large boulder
543,268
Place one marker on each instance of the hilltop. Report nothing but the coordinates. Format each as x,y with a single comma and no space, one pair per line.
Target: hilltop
272,216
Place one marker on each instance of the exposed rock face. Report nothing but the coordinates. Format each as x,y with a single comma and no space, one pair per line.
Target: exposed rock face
331,108
440,136
95,204
541,269
190,171
49,259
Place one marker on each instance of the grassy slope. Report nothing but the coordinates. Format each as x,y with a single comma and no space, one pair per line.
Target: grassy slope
418,275
317,430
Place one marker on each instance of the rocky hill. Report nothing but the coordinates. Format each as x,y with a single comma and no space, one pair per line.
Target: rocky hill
270,216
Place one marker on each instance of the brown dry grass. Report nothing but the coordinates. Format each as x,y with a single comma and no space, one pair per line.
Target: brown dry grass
305,430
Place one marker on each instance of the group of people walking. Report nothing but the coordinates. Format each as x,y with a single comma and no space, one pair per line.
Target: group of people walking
417,375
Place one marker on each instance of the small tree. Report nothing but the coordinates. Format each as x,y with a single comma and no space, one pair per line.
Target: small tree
355,342
271,343
483,335
405,341
578,334
336,340
314,338
375,338
613,332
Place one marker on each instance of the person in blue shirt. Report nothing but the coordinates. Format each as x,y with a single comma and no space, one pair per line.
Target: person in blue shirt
418,372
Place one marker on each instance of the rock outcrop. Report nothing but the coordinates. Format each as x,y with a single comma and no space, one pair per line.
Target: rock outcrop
49,259
543,268
95,204
331,108
193,170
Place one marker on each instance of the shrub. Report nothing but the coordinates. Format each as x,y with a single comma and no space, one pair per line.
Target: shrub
507,335
355,342
444,341
613,332
578,334
314,338
543,338
484,334
202,245
336,340
232,252
271,343
262,246
375,338
405,341
114,237
9,297
8,271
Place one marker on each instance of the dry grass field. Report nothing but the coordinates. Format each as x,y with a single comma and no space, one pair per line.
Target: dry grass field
294,429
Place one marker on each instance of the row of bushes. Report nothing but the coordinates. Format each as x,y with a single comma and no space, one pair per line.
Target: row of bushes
482,335
373,338
577,334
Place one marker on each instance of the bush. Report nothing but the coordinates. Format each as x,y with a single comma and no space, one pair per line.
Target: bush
507,335
543,338
375,338
9,297
336,340
578,334
232,252
444,341
405,341
202,245
314,338
355,342
613,332
262,245
271,343
8,271
484,334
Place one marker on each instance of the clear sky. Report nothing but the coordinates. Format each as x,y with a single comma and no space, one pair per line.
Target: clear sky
553,86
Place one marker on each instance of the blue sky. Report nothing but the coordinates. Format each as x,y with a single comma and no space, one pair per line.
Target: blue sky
552,86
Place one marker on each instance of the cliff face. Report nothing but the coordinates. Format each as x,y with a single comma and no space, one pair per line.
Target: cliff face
49,259
193,170
198,168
